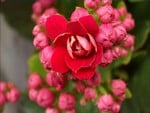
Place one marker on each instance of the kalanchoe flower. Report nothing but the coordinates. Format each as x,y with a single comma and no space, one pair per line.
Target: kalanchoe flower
90,93
116,108
105,13
36,30
66,101
3,86
51,110
75,42
37,8
105,2
48,12
78,13
45,98
128,23
13,95
118,87
105,103
40,41
2,99
80,86
95,80
107,57
123,52
129,41
46,3
120,32
56,80
34,81
45,57
106,35
91,3
116,52
33,94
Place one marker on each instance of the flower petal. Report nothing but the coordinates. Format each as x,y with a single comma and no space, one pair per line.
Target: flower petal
90,24
61,40
76,63
57,61
85,73
76,28
55,25
98,55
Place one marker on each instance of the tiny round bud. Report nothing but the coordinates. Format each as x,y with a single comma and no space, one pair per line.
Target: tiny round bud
71,111
40,41
37,8
105,103
129,23
90,93
66,101
3,86
13,95
46,3
118,87
116,108
36,30
34,81
79,86
51,110
2,99
45,98
129,41
92,3
33,94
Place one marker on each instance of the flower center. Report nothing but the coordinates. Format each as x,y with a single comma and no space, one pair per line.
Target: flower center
79,46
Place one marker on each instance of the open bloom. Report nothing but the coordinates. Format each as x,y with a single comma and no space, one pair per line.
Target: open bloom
75,47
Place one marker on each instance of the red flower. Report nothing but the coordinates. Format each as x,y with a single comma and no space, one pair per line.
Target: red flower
75,47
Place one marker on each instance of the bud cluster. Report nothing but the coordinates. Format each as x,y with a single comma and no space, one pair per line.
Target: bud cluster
8,93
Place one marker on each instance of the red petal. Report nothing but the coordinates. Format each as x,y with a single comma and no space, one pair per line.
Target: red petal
61,40
98,55
55,25
90,24
76,28
58,61
76,63
85,73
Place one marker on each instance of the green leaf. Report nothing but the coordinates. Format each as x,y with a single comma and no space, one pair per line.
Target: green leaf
36,66
121,3
141,32
30,107
128,94
139,86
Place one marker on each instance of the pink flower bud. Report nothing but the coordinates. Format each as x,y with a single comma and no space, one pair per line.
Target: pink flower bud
51,110
34,81
90,93
116,108
92,3
48,12
13,95
45,98
95,80
105,103
2,98
129,23
106,35
45,57
71,111
10,85
116,15
3,86
123,52
120,33
107,57
40,41
116,52
79,86
66,101
78,13
36,30
118,87
105,13
56,79
122,11
35,17
129,41
105,2
83,102
33,94
46,3
37,8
